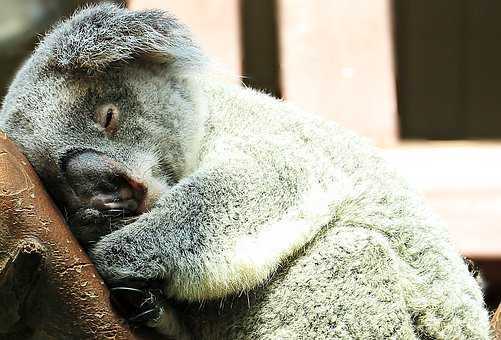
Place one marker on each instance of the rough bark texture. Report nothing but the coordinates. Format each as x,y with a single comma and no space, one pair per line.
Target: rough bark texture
496,323
49,289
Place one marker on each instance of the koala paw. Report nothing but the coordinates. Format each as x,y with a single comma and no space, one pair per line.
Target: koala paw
139,304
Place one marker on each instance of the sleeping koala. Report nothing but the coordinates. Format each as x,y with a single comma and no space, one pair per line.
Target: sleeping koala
249,217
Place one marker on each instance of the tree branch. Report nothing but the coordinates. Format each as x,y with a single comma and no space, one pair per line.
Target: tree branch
496,323
48,286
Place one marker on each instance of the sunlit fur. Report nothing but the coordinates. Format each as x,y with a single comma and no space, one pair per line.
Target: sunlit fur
263,221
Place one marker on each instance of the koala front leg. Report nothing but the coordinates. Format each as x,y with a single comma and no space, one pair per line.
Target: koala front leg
222,230
200,238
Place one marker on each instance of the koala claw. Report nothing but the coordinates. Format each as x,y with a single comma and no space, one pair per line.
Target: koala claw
146,316
138,306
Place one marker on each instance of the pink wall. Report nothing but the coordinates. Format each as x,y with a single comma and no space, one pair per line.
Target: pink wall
336,59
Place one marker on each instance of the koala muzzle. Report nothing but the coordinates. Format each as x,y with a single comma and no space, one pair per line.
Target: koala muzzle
101,183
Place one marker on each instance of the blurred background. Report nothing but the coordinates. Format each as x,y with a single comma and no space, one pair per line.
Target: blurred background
418,77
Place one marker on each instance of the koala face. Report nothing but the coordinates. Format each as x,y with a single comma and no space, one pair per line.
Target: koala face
103,128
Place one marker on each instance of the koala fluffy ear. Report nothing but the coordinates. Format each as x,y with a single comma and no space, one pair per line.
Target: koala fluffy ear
97,37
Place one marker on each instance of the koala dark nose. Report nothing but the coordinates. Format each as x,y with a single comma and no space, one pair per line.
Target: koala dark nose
102,183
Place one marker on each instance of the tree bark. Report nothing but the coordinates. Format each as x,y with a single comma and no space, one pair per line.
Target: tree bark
496,323
49,288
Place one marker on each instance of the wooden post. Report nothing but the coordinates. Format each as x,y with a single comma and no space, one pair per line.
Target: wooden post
337,60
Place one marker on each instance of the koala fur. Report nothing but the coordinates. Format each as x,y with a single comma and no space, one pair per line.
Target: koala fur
261,221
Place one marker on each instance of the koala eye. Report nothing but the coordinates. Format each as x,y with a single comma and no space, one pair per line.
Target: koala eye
107,118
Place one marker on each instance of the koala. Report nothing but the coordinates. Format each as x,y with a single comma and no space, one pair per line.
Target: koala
214,211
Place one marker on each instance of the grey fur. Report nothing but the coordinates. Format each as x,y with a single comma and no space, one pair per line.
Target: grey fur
94,39
270,223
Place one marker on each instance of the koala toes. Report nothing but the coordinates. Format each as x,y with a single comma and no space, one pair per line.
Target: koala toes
139,305
143,304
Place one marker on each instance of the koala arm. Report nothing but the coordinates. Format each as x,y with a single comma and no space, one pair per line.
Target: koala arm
222,230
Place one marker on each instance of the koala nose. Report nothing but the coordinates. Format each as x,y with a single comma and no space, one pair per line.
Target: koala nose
125,198
102,183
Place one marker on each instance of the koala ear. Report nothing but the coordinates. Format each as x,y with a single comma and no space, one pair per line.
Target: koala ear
100,36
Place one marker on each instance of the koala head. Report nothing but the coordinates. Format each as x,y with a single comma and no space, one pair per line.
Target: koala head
105,109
